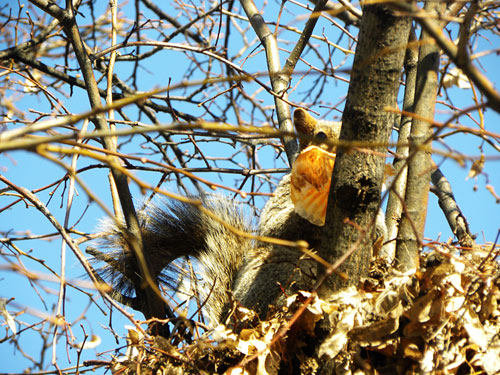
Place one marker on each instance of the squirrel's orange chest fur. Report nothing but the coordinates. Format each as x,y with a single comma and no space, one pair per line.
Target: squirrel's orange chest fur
310,183
312,170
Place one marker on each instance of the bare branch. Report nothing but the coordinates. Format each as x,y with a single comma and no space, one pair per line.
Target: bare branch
279,79
448,204
67,19
462,61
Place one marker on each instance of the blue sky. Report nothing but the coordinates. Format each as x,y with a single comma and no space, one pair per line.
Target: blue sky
32,171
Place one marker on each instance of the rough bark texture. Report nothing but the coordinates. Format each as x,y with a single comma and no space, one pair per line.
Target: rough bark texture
358,176
412,225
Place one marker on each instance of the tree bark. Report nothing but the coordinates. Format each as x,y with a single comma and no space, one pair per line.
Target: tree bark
398,187
358,175
447,202
410,235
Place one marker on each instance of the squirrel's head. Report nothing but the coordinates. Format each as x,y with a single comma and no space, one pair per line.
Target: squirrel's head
312,170
322,131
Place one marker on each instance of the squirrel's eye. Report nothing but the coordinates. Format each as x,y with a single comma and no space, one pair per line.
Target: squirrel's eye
321,136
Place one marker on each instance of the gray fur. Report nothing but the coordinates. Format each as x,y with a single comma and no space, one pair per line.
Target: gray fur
256,274
173,230
274,272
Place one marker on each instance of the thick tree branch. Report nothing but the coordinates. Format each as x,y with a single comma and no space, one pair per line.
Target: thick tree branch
355,191
292,60
398,187
279,80
358,176
411,230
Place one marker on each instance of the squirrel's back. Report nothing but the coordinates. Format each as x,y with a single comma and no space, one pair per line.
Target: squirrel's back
256,273
277,271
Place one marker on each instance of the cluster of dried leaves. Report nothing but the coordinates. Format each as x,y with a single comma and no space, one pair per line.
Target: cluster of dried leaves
443,319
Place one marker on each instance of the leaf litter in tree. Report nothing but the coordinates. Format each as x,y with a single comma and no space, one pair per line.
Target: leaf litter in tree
442,319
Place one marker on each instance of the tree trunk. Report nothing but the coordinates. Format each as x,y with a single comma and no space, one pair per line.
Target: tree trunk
358,175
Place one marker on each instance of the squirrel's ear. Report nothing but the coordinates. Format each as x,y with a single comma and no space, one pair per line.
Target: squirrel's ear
304,122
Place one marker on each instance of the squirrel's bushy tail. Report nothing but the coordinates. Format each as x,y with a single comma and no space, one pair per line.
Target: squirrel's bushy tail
176,229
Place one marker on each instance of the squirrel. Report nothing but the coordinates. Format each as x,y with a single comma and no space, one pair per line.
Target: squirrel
255,274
